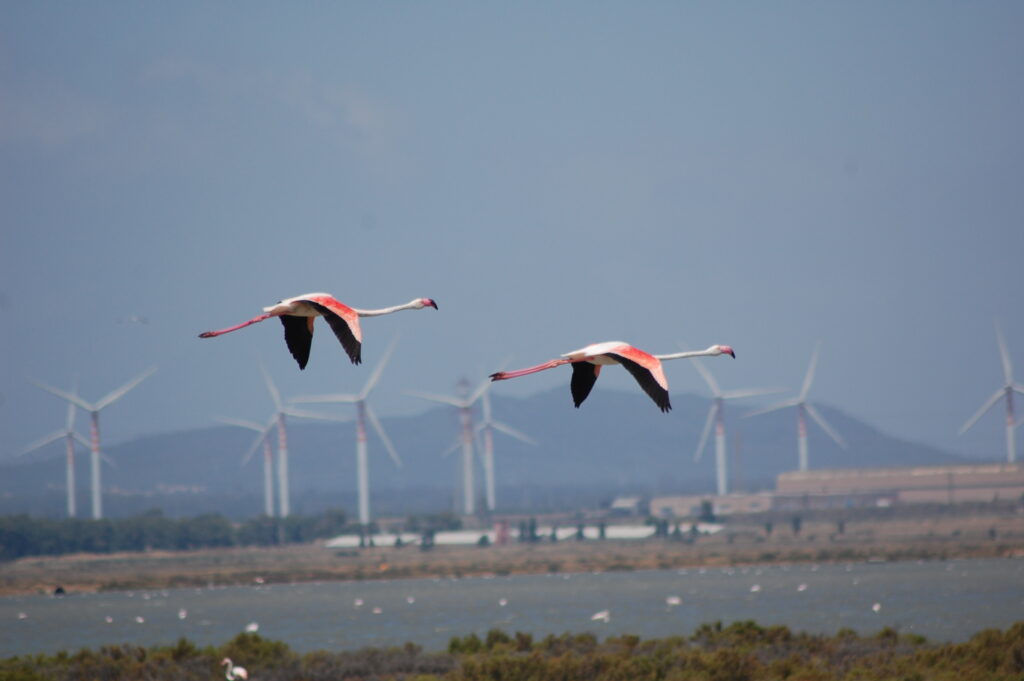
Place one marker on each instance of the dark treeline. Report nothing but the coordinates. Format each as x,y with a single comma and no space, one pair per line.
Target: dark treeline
23,535
742,651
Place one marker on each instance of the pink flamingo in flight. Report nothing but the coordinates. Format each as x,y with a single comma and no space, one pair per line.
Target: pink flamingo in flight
645,368
297,315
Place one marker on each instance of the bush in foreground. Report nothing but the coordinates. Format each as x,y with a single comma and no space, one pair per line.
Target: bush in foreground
742,651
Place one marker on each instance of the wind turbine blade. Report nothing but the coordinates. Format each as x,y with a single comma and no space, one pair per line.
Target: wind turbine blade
706,375
107,460
512,432
454,448
375,376
70,423
383,436
274,394
74,399
820,420
752,392
809,378
444,399
985,407
43,441
323,399
119,393
707,431
480,391
303,414
254,446
772,407
81,440
1007,366
242,423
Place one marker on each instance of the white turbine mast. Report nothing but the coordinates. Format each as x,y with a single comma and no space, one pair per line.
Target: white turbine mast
716,417
70,436
364,413
464,403
94,409
281,410
263,438
1006,392
485,430
803,408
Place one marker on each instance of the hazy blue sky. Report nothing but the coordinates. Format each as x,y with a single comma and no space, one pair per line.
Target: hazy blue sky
765,175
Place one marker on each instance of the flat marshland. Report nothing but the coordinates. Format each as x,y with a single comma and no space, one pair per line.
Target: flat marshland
890,536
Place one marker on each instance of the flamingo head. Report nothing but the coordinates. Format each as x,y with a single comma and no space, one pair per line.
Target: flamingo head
226,662
724,350
427,302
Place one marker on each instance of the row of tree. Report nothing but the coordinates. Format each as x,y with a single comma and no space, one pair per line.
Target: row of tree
23,535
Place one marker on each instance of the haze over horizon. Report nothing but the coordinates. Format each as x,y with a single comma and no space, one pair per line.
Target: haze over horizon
760,176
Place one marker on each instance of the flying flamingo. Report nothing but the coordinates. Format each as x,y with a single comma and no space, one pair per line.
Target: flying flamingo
233,672
587,362
297,315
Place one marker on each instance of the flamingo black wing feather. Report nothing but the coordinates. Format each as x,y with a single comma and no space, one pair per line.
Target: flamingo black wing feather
298,336
584,376
646,381
341,329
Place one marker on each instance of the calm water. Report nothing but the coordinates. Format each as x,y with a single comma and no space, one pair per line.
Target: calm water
942,600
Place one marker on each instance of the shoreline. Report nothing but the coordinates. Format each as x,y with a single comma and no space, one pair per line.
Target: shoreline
938,538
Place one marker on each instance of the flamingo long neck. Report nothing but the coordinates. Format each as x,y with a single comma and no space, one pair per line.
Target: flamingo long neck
503,375
411,305
710,352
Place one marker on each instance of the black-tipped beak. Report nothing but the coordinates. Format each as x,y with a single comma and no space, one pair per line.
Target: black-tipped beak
732,354
432,304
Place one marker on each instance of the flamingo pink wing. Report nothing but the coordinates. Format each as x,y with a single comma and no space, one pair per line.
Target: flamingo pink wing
647,371
344,321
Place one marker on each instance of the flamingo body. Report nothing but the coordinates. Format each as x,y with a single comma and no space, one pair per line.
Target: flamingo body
233,672
297,315
643,366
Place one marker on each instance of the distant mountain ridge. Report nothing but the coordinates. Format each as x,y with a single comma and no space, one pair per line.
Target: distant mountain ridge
617,443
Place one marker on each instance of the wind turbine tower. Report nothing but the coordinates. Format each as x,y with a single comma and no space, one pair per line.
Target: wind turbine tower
281,410
268,456
464,403
1009,387
70,436
94,409
803,408
363,413
486,430
716,416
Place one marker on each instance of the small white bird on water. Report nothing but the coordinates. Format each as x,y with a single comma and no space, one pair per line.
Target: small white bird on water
232,672
603,616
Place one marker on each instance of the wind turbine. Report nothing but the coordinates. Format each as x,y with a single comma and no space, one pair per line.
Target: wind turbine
363,413
716,416
803,407
268,456
70,436
94,409
464,403
486,430
280,411
1009,387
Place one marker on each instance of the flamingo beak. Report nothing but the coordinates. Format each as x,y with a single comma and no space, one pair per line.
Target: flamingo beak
727,350
430,302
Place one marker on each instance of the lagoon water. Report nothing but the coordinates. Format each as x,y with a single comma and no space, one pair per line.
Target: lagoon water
942,600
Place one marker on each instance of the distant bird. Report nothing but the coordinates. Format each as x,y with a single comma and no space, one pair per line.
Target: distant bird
673,600
232,672
297,315
645,368
603,616
252,627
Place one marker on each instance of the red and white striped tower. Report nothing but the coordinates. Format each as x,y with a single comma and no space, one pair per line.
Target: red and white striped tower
486,430
263,438
364,413
94,427
70,437
716,416
803,410
1009,387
